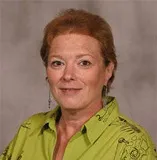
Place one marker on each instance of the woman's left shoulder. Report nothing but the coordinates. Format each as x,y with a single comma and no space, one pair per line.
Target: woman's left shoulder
136,137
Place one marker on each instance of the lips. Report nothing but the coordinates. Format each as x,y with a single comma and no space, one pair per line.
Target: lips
70,88
70,91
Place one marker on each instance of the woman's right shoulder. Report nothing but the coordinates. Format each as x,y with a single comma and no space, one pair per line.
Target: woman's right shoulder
36,121
29,127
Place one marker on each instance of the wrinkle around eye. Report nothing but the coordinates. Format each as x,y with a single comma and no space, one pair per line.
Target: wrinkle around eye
56,64
85,63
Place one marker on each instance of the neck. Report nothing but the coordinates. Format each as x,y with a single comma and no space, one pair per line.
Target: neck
71,121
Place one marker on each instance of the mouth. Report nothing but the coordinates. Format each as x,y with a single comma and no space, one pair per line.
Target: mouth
70,88
70,91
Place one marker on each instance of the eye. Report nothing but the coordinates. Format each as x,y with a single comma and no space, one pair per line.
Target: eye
56,63
85,63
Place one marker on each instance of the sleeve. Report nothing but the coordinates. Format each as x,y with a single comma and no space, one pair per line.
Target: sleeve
7,153
14,149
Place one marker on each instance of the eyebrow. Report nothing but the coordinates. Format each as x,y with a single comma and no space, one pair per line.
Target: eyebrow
82,55
56,56
78,56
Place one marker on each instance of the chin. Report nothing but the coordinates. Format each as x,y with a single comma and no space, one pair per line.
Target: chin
70,105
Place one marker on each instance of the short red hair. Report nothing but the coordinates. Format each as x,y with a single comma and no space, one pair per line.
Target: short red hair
81,22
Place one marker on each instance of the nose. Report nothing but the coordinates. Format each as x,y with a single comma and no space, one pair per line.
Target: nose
69,73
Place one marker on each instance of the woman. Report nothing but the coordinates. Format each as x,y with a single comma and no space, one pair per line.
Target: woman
79,55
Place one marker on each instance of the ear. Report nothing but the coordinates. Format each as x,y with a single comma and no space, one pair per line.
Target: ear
46,78
108,72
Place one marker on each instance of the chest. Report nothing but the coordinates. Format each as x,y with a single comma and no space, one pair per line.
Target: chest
59,149
78,147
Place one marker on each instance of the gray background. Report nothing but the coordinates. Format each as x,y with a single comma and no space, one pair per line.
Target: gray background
23,90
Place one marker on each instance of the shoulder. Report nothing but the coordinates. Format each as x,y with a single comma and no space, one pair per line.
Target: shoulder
37,121
34,124
31,126
131,129
136,140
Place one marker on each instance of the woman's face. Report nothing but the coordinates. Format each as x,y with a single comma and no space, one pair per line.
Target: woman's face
76,72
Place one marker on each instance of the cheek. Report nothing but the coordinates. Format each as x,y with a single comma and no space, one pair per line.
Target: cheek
53,77
94,79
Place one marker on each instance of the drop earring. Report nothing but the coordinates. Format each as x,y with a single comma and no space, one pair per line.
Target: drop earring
49,100
49,96
105,94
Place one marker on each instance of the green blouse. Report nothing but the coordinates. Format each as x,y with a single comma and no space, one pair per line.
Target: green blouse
105,136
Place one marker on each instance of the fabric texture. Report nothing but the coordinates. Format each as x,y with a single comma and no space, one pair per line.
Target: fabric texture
107,135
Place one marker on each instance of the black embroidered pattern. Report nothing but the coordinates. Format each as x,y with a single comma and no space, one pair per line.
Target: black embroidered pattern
26,125
6,155
106,115
136,148
20,156
128,127
5,152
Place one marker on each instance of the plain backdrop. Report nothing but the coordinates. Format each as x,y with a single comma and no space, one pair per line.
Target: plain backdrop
23,89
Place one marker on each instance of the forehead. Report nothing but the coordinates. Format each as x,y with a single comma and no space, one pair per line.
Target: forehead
75,42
